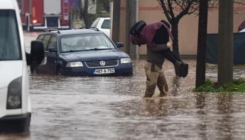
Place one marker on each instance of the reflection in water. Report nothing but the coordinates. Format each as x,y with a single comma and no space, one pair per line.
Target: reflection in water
155,107
109,108
201,114
200,102
224,123
112,108
176,85
19,136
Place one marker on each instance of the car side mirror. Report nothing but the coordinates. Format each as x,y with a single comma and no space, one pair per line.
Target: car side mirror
52,49
37,53
119,44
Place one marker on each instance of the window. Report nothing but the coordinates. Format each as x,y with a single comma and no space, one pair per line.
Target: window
85,42
106,24
45,41
95,23
10,48
40,38
52,43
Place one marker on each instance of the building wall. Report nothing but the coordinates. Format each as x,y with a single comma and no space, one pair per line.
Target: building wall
150,11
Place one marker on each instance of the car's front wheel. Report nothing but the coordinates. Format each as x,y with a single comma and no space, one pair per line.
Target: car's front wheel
34,69
59,72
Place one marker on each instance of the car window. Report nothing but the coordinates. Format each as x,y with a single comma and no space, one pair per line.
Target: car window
95,23
10,48
106,24
45,41
85,42
40,38
52,42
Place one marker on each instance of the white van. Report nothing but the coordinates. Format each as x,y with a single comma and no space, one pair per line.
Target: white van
103,24
15,103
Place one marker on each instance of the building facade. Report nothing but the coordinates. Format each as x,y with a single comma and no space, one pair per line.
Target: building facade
150,11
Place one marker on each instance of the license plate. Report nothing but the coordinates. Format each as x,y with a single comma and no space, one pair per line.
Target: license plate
104,71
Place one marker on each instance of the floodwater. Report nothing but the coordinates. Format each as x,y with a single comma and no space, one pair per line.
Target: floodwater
112,108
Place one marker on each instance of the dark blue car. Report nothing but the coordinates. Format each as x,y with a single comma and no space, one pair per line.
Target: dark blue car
82,52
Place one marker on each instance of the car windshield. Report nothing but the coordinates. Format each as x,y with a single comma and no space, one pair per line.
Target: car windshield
9,39
85,42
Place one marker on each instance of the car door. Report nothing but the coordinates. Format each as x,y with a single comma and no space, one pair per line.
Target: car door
43,67
51,54
40,68
40,38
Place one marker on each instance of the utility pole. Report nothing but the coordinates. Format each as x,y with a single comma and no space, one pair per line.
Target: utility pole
131,11
202,43
225,44
116,20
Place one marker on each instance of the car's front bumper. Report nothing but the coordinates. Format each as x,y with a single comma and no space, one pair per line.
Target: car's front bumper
15,123
121,70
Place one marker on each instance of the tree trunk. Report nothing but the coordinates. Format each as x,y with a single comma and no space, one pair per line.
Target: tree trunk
176,38
225,45
130,21
85,14
116,20
202,43
83,11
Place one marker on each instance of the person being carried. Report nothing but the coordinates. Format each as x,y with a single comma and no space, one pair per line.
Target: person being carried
156,36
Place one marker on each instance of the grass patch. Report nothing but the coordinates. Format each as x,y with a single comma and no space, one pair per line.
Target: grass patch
240,66
238,85
215,66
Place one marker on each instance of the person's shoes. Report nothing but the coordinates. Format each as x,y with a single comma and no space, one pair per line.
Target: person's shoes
162,95
177,67
184,70
148,96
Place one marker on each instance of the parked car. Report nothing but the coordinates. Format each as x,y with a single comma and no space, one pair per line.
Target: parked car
15,102
241,27
82,52
103,24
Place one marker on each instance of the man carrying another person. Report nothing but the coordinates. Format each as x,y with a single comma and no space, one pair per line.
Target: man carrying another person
156,36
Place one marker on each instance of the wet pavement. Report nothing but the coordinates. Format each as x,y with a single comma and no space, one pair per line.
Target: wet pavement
112,108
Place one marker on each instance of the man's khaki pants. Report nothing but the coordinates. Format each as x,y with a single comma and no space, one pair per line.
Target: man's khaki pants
155,77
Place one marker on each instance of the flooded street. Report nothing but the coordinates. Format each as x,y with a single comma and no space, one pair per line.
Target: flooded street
112,108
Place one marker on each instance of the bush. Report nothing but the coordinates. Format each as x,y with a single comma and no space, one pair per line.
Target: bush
238,85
